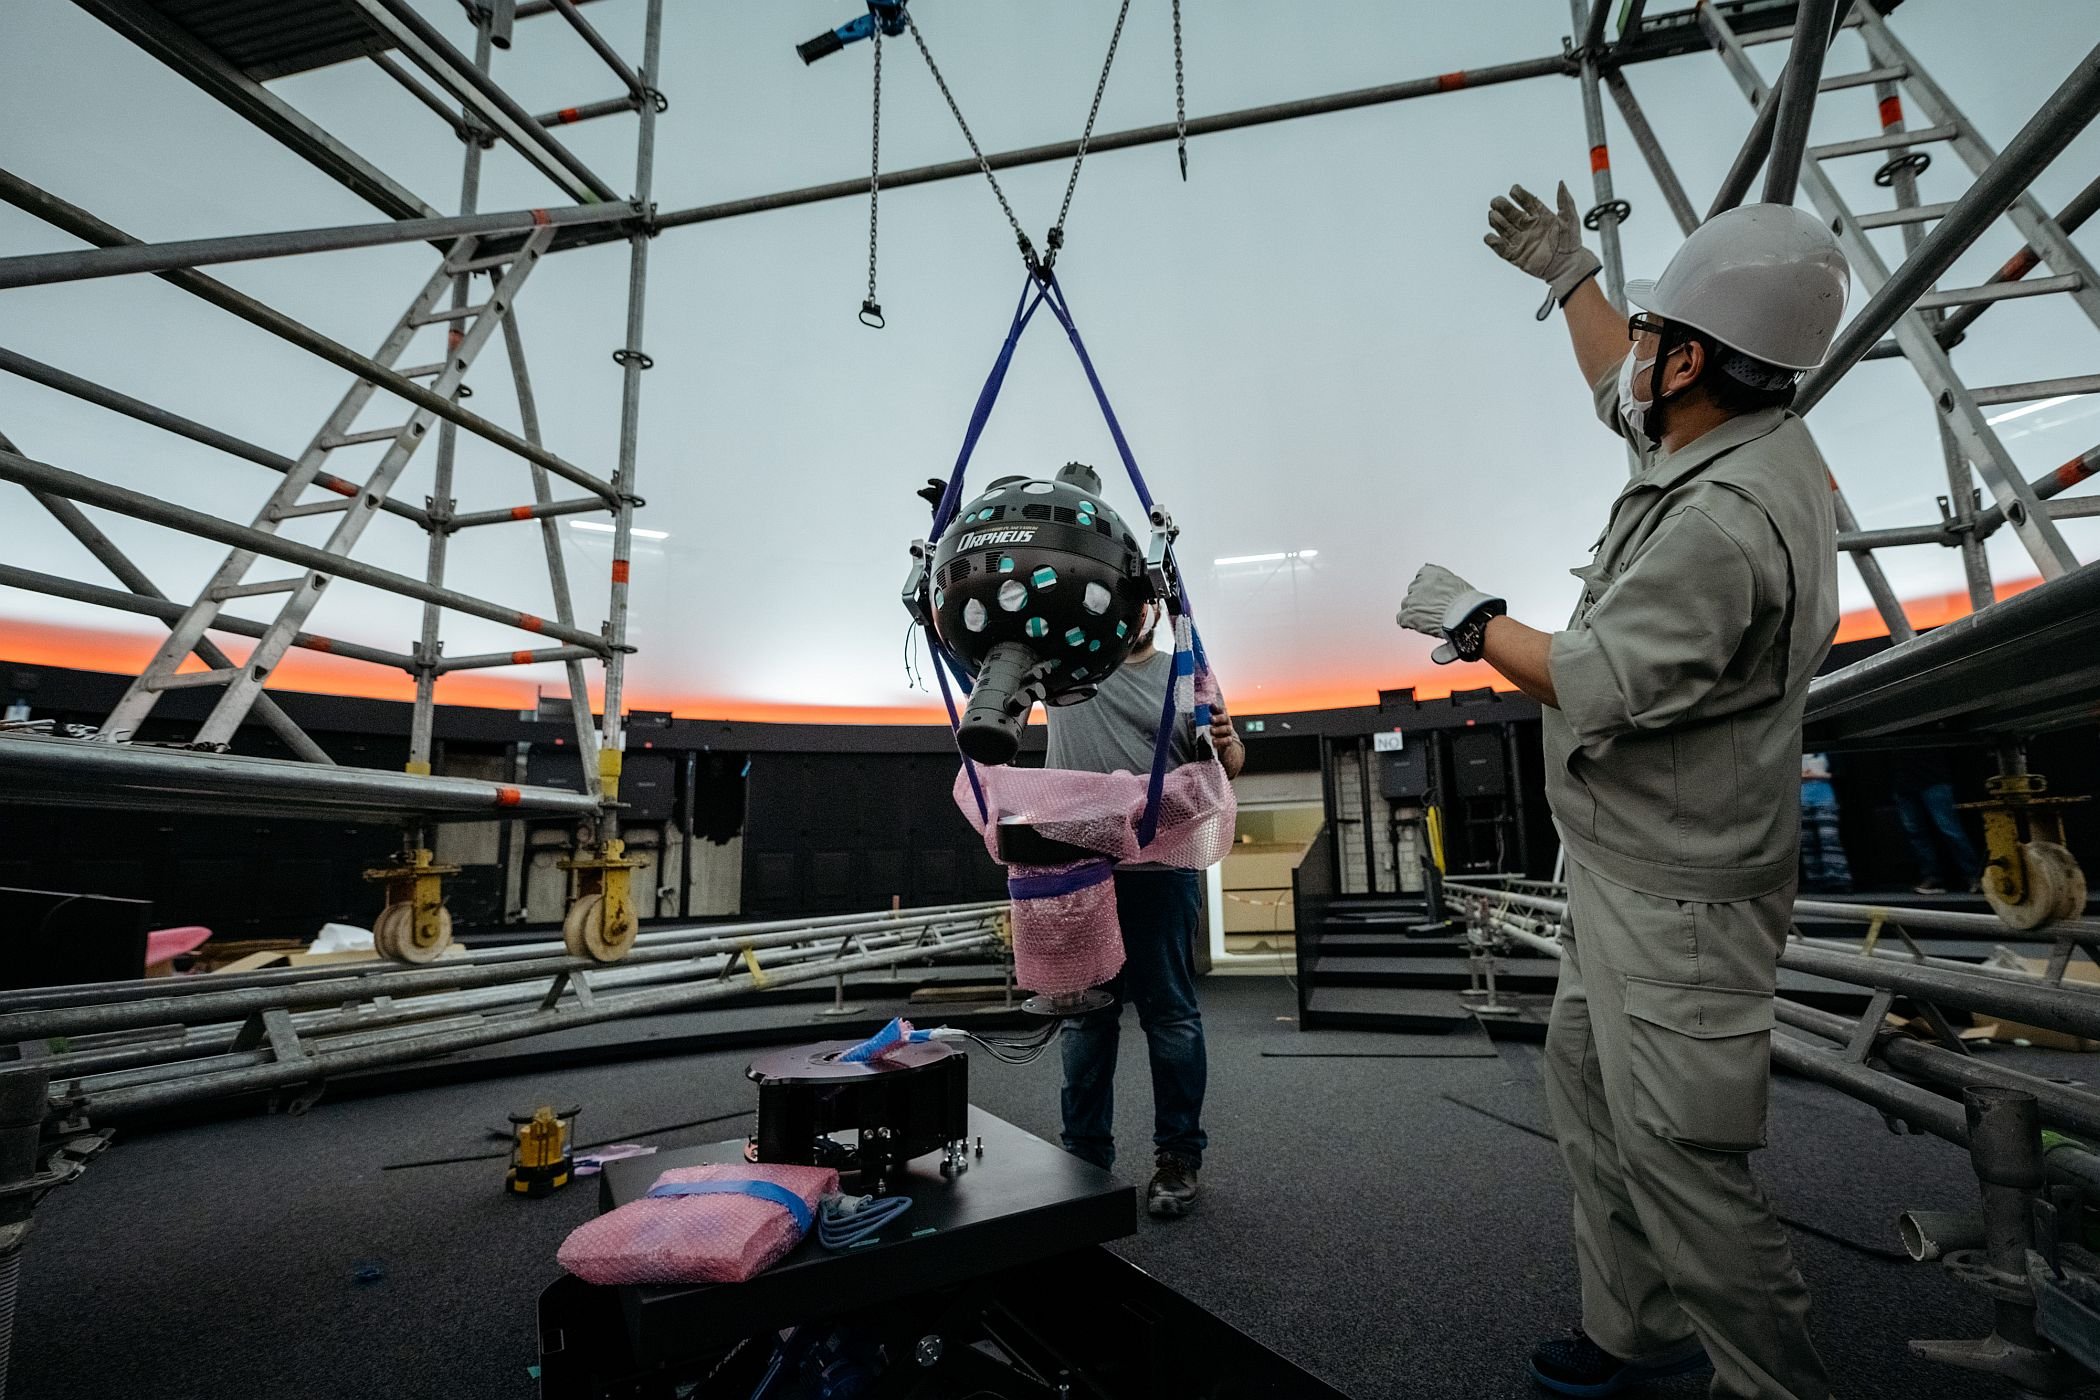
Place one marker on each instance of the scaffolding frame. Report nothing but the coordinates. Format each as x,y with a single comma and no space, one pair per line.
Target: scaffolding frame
1903,315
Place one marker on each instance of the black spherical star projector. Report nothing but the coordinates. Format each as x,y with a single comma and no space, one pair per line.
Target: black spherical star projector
1039,587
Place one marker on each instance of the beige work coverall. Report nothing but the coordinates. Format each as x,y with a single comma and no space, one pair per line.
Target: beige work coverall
1673,772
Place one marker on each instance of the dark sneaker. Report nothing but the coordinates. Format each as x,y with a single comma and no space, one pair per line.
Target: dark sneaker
1575,1365
1173,1188
1929,886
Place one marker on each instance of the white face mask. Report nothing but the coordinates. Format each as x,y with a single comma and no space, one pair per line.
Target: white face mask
1633,411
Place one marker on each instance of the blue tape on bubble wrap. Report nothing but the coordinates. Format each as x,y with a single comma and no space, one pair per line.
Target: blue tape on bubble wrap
742,1186
1084,877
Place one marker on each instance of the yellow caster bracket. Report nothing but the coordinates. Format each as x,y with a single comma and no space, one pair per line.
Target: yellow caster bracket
601,922
415,926
2031,878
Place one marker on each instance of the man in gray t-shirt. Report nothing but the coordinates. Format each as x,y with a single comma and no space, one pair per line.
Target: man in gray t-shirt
1157,907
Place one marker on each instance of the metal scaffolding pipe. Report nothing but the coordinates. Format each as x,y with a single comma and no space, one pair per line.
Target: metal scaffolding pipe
563,1016
590,35
86,227
79,264
2070,219
210,1004
1651,150
2067,112
349,975
2079,469
1797,99
588,111
539,510
2057,1008
2072,1109
502,111
44,477
51,585
52,377
1124,140
218,1041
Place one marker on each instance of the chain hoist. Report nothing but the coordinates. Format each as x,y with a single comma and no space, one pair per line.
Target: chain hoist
1181,111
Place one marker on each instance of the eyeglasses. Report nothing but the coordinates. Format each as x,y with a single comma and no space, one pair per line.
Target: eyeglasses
1641,323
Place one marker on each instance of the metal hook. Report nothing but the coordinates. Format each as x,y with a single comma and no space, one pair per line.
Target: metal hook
871,314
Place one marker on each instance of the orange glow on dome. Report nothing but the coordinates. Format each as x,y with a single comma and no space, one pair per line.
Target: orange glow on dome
126,653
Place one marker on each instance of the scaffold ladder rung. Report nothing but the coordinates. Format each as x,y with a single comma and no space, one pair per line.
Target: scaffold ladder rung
1862,78
1895,218
1888,141
483,264
424,371
369,435
328,507
192,680
2000,291
227,592
2028,391
457,313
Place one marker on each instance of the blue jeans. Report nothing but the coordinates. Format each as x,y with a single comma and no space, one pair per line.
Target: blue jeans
1158,912
1823,863
1925,812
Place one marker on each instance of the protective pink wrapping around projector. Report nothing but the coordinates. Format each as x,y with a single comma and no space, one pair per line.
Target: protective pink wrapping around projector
1066,942
696,1239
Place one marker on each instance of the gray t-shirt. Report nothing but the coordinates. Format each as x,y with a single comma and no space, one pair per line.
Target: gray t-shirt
1117,729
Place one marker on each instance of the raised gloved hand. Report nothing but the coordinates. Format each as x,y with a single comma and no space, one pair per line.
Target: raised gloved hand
1441,604
1547,243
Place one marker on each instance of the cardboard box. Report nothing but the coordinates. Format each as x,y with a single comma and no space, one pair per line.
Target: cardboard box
1259,911
1261,867
2080,969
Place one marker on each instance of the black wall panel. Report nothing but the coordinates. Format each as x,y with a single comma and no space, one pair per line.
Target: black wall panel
829,833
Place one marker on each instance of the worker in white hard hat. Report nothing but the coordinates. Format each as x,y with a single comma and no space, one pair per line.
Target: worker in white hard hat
1671,706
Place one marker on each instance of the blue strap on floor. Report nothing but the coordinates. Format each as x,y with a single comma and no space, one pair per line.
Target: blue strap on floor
743,1186
1035,294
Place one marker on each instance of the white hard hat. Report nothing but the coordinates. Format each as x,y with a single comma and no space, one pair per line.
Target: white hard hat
1765,279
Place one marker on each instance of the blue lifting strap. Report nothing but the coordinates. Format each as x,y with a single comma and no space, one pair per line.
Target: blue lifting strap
1188,653
742,1186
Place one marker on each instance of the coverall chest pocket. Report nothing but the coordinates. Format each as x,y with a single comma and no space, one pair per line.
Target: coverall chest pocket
1701,1062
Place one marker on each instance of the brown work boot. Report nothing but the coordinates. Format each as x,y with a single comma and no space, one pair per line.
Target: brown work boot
1173,1188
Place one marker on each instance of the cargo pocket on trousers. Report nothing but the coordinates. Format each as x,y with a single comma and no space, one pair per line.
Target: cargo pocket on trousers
1701,1062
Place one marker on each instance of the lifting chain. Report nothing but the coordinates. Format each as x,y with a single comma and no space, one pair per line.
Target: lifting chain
1020,236
1181,112
871,309
1056,237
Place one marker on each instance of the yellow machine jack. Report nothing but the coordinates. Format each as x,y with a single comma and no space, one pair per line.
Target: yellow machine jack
415,926
601,922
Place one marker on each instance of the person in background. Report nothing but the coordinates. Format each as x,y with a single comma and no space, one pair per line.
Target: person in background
1158,908
1924,792
1824,868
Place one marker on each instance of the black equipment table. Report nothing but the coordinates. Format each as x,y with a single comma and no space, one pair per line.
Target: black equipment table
1021,1201
994,1276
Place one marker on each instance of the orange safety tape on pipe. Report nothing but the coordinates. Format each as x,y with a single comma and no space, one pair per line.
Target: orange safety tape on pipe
521,512
508,797
619,571
522,658
531,623
1891,111
1600,158
1451,82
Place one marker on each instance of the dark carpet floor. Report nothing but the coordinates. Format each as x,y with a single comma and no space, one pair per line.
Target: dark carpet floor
1354,1218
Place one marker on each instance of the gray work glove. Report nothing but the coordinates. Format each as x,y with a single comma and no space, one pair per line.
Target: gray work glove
1440,603
1547,243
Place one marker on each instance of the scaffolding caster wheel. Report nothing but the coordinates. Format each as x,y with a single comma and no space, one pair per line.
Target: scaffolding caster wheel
394,935
2055,887
585,934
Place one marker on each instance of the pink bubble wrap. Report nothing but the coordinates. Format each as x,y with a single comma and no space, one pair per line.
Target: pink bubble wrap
696,1239
1100,811
1068,942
